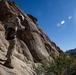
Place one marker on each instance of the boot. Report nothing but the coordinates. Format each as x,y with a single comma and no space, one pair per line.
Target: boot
8,64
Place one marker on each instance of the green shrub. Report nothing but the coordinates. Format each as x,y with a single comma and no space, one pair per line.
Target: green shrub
64,65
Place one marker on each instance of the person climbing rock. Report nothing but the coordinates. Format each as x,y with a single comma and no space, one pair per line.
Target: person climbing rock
13,24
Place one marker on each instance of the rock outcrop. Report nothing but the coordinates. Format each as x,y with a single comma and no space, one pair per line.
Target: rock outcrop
33,45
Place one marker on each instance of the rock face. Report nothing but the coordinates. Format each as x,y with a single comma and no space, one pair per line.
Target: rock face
33,45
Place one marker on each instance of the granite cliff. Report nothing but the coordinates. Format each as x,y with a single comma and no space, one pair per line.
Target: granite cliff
33,45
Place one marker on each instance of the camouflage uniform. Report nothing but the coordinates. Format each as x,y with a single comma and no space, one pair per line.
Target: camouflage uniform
13,24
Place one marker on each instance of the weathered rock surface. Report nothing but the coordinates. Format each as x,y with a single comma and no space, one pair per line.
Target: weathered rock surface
33,45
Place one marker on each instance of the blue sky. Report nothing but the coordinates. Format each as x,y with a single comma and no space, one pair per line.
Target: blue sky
57,18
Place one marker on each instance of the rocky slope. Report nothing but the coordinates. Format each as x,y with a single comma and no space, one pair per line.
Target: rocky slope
71,51
33,45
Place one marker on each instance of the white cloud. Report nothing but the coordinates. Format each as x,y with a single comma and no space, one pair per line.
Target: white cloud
62,22
69,17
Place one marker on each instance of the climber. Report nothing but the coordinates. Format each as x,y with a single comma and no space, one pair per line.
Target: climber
13,24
